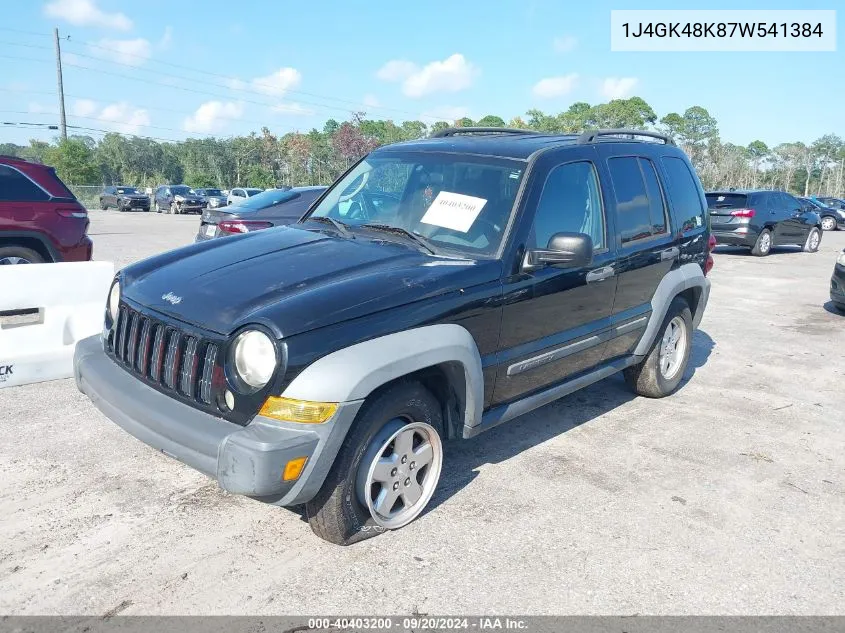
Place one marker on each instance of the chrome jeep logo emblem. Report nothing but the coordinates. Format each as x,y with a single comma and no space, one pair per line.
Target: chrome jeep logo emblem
172,298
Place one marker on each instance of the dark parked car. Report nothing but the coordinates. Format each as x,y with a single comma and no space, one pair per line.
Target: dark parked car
761,219
177,199
40,219
831,218
837,283
124,199
833,203
324,363
212,198
274,207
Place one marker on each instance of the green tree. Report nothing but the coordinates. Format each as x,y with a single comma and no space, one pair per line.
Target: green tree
464,122
439,125
491,120
672,124
259,176
74,162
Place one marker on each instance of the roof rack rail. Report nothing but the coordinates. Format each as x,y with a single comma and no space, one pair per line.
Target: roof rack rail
454,131
592,135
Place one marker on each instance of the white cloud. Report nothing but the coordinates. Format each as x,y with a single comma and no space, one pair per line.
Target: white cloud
453,74
564,44
86,13
38,108
131,52
211,116
555,86
124,118
371,101
446,113
83,108
396,70
166,38
277,83
292,108
618,87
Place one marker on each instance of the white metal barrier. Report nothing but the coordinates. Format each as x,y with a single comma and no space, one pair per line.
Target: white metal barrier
44,310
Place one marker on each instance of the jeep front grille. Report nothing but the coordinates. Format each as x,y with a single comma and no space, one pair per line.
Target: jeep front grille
174,360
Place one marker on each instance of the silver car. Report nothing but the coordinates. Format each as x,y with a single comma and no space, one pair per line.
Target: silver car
213,198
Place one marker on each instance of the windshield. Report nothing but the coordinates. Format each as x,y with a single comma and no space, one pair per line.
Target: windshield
127,190
253,192
458,203
267,199
181,190
211,192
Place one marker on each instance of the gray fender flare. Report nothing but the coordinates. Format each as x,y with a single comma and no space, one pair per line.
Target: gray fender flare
676,281
354,372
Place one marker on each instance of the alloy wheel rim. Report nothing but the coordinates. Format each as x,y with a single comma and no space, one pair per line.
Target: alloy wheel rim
814,240
402,470
828,224
765,242
10,261
673,348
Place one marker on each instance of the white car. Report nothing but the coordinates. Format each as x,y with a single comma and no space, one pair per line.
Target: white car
238,194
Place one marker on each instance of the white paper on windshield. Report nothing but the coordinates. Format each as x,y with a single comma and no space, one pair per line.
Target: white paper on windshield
453,211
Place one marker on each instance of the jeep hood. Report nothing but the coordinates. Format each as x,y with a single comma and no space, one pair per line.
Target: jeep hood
293,280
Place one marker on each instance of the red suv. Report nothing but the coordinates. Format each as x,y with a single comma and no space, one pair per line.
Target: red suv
40,219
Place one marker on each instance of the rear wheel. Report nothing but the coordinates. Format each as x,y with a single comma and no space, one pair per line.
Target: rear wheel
103,205
10,255
828,223
387,469
763,244
814,239
660,373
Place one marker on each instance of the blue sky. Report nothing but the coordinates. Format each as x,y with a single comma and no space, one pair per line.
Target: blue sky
290,66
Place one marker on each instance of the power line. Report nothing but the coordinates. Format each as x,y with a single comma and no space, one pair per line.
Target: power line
39,33
227,78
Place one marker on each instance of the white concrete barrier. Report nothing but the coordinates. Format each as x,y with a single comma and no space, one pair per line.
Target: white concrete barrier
44,310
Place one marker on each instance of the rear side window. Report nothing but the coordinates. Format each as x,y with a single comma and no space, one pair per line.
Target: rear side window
640,209
15,186
685,194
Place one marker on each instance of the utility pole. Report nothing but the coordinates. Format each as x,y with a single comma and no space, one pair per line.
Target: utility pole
61,88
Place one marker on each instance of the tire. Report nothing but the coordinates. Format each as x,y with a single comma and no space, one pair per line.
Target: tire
814,240
763,245
103,205
338,513
648,377
828,223
174,210
19,255
157,208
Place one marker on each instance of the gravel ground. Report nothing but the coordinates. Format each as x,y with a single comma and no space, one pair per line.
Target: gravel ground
726,498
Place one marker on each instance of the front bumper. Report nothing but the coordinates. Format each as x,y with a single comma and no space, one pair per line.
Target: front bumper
247,460
134,204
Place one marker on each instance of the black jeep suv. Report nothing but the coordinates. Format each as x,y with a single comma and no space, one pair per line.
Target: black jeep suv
124,199
439,288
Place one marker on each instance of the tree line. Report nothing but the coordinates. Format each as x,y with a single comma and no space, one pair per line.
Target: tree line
319,156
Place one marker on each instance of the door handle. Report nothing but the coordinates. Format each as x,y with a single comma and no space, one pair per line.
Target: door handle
600,274
670,253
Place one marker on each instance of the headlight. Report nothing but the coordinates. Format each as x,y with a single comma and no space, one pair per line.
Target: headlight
840,213
114,301
841,259
255,358
179,198
213,202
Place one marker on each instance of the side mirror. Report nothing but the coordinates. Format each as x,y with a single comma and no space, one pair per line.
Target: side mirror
564,250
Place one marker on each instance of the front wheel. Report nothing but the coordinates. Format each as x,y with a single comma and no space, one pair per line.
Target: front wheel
814,239
174,210
387,469
660,373
828,223
103,205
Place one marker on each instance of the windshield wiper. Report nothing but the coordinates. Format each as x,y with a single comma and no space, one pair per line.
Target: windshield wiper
340,226
419,239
